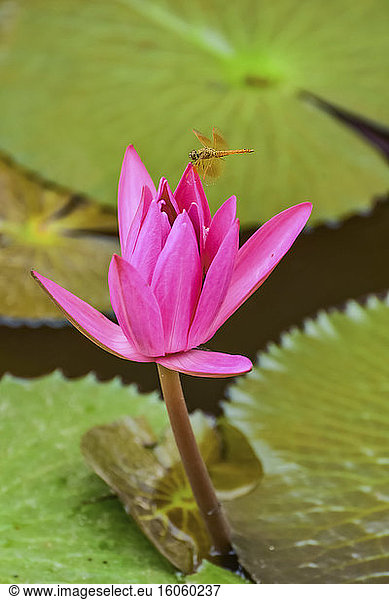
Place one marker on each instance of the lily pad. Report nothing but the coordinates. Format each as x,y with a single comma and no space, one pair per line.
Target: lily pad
57,520
82,80
148,476
316,411
376,133
58,232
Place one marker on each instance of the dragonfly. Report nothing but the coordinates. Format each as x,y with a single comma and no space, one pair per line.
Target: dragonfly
208,160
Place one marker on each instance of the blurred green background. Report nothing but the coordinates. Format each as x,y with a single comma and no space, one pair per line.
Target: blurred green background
81,80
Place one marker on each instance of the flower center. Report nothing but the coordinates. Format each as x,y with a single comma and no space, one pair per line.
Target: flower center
259,71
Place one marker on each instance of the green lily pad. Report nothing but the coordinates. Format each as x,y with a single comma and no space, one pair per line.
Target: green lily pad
82,80
148,476
316,411
376,133
57,232
57,521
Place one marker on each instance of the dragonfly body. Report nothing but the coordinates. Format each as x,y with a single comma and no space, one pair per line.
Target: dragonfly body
207,160
207,153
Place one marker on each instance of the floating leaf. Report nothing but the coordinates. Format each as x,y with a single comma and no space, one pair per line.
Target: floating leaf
239,471
147,71
59,233
317,412
160,502
57,521
376,133
149,479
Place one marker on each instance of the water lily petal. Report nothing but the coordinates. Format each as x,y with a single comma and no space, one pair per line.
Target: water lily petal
136,224
222,220
215,287
149,243
90,321
133,178
194,215
135,307
190,189
166,197
204,363
166,227
259,256
176,282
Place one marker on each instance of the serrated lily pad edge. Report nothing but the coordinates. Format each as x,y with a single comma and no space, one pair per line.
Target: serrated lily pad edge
352,308
318,326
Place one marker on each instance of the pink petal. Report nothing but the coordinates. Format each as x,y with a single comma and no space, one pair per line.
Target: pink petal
135,307
194,215
166,227
177,282
90,321
215,287
165,196
259,256
136,224
220,225
190,189
204,363
149,243
133,178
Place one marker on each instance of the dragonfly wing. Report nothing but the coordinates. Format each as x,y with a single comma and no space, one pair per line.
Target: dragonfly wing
212,169
206,142
219,143
199,166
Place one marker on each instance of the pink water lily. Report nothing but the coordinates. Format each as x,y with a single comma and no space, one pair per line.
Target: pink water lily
181,274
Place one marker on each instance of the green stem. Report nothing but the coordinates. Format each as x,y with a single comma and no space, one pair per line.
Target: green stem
194,465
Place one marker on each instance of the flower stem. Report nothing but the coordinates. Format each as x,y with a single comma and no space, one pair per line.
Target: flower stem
194,465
